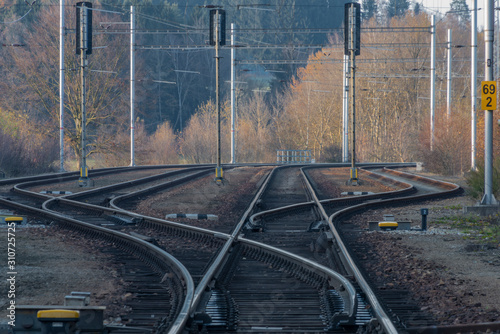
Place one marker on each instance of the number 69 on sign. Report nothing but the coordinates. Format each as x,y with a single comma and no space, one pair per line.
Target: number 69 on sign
488,95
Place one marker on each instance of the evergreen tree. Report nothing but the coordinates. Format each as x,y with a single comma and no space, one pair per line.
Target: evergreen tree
397,8
460,10
416,9
370,9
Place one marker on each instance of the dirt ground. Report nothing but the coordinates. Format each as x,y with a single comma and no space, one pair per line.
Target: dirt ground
51,263
203,196
451,274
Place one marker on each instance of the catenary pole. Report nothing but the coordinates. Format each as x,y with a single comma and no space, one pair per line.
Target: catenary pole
448,78
473,85
433,76
61,85
497,50
345,114
83,59
218,173
488,198
352,92
233,143
132,86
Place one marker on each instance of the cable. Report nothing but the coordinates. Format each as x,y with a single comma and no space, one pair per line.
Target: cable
22,17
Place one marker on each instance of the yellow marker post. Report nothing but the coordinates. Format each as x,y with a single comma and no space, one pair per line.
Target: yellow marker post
219,178
488,95
353,181
84,172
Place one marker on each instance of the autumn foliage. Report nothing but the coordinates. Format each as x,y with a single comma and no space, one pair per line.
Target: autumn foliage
392,106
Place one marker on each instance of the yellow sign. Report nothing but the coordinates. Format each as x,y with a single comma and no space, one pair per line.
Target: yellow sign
488,95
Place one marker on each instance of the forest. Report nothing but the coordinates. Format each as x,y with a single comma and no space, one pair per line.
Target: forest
289,75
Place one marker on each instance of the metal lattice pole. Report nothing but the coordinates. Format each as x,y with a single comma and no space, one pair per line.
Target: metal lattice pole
83,60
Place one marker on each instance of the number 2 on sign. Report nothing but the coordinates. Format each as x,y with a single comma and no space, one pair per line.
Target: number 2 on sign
488,95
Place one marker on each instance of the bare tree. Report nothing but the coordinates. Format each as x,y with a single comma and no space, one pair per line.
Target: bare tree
254,129
164,146
36,69
25,145
198,141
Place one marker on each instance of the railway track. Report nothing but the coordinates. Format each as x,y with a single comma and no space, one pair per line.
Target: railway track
288,271
219,301
397,307
162,286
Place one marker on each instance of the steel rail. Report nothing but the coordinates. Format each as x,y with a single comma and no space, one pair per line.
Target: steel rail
341,284
141,219
169,184
17,180
337,281
407,189
252,221
423,179
68,176
136,182
182,273
351,266
50,200
180,226
20,188
337,217
221,258
155,256
64,177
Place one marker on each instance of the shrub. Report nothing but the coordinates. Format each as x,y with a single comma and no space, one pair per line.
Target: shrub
475,180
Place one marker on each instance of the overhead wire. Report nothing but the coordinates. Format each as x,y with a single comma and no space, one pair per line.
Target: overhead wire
19,19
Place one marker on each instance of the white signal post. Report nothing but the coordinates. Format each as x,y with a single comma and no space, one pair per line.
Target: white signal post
61,85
